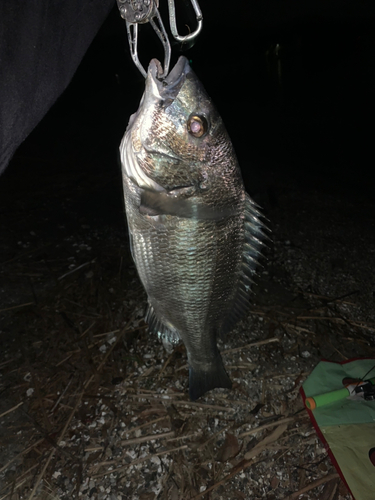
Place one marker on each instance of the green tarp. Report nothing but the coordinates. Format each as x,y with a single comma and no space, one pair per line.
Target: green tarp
347,427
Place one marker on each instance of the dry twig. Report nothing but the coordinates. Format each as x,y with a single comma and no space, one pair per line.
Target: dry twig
312,485
11,409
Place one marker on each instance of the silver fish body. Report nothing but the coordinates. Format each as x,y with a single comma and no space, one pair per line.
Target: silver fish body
195,233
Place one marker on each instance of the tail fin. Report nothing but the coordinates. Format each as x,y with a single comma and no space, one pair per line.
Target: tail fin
202,381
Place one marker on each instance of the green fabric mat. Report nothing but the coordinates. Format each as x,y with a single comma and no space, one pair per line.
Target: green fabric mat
327,377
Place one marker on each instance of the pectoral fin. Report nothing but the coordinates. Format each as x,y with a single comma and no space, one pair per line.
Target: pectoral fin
161,203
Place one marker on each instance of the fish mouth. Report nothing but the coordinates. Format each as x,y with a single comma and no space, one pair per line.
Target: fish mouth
161,154
166,88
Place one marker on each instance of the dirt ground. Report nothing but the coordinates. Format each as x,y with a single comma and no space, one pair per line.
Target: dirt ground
92,407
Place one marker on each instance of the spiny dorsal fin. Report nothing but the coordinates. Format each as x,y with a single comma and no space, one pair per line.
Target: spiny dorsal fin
252,248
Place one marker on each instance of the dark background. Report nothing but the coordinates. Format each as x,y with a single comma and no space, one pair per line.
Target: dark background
294,85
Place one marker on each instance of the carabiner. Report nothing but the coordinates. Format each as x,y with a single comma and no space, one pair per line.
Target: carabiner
173,24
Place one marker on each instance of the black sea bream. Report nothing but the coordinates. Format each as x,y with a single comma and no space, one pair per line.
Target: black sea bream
195,233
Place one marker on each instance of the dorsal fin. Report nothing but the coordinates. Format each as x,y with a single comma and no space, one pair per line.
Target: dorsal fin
252,247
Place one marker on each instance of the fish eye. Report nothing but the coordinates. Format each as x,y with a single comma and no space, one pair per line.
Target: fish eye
197,125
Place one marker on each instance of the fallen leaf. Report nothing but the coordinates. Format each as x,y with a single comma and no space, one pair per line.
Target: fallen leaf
230,448
275,482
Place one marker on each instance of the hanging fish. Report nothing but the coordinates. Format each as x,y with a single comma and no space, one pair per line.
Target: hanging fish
195,234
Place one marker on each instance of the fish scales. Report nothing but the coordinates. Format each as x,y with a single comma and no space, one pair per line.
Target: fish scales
195,234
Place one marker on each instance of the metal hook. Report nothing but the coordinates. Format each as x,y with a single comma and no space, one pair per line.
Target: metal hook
142,11
162,34
132,29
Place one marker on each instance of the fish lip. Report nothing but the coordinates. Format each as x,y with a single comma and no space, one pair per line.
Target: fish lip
168,87
179,70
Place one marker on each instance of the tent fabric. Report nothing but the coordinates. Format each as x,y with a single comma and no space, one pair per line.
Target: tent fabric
353,460
42,43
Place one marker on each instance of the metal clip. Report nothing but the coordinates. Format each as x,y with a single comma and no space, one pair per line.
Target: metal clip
142,11
172,21
136,11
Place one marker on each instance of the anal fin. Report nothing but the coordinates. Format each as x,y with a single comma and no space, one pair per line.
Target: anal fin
167,334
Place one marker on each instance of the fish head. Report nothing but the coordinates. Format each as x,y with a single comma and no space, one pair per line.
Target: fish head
176,139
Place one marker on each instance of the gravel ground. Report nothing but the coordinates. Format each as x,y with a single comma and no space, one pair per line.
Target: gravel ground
92,406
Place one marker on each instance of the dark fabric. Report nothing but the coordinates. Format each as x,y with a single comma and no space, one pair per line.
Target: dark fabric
42,43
